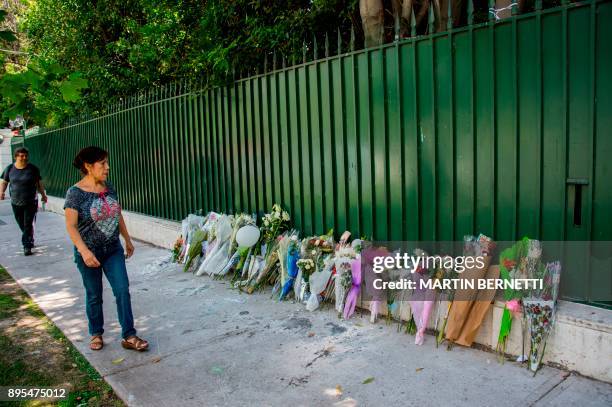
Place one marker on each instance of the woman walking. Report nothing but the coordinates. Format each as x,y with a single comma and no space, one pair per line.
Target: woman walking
94,223
25,181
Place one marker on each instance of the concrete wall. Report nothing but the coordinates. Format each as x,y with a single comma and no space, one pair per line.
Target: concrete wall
581,340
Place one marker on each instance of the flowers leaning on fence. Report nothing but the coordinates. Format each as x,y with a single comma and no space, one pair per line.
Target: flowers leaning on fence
314,271
313,252
518,261
343,279
539,311
274,223
293,255
217,257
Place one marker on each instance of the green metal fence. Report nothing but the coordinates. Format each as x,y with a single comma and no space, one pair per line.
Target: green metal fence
502,128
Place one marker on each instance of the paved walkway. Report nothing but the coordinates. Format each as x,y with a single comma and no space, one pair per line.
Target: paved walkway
213,346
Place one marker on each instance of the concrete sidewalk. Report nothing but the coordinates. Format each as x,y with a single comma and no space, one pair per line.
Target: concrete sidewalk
213,346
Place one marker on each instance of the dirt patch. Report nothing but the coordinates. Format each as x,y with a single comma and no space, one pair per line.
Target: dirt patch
34,352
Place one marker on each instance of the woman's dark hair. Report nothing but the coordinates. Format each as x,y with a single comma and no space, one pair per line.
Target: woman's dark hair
89,155
21,150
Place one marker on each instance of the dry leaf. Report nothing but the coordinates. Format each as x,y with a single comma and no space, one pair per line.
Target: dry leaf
156,360
368,380
338,390
418,369
117,361
311,334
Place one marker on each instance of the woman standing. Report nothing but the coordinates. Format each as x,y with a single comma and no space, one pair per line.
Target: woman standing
94,223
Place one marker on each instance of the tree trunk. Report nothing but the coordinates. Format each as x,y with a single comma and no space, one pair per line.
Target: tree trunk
372,20
402,11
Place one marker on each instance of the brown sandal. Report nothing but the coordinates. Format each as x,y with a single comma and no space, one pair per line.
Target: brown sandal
96,342
135,343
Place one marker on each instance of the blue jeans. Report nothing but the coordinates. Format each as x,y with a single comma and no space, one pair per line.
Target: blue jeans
112,260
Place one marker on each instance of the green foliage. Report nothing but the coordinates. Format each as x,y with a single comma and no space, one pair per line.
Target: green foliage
43,93
121,47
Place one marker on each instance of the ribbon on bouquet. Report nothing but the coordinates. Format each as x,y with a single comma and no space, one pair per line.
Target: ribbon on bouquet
351,298
293,255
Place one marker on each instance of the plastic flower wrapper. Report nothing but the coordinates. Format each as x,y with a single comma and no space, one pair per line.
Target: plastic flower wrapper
376,296
307,267
266,265
312,253
271,264
298,286
221,256
514,263
342,279
282,249
217,257
193,224
256,264
293,255
421,303
539,310
210,226
465,313
353,294
318,282
233,261
195,250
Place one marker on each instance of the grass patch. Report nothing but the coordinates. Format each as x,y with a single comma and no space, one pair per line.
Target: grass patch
8,305
34,352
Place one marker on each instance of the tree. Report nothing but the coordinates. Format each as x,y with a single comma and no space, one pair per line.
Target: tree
42,92
122,47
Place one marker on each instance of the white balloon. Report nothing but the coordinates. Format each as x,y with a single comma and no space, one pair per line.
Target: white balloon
247,236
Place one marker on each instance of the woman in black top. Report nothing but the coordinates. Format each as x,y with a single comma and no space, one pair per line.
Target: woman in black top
24,179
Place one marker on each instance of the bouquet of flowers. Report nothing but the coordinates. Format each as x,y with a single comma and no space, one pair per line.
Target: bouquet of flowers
217,257
189,226
465,313
261,271
274,223
306,267
195,250
353,294
518,261
318,281
343,279
177,249
421,303
313,252
281,251
539,311
293,255
209,227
